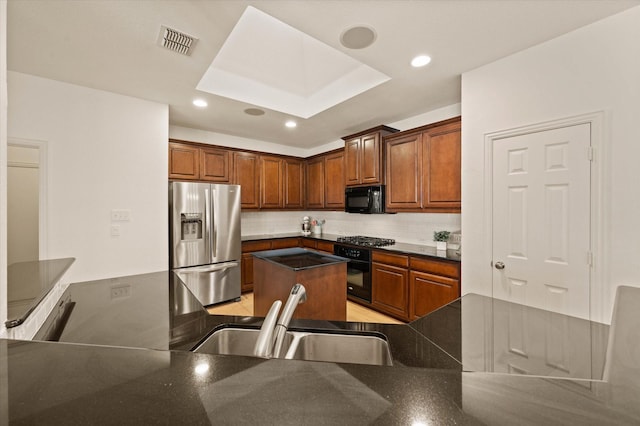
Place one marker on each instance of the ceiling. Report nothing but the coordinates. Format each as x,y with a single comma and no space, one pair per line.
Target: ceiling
112,45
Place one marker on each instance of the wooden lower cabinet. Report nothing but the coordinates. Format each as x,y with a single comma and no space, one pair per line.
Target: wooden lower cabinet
430,292
246,270
432,284
390,290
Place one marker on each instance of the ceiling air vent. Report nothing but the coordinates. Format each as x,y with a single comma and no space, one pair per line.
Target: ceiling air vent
176,40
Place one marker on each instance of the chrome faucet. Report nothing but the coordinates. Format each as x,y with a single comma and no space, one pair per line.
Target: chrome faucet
271,337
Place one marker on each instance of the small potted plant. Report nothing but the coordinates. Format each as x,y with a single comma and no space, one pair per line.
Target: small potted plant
441,237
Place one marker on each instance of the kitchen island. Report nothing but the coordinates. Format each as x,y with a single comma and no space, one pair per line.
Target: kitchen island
323,276
145,383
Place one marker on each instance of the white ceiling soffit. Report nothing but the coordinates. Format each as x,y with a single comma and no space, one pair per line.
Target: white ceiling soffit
268,63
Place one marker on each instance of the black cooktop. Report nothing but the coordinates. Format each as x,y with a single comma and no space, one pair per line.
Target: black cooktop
360,240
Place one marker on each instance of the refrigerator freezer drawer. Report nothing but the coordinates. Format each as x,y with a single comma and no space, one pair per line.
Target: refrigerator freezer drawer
212,283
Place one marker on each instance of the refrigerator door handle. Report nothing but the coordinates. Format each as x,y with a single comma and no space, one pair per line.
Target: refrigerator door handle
214,228
207,220
208,268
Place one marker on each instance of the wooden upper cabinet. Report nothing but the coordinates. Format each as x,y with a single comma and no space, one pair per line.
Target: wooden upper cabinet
193,162
183,161
442,167
271,185
214,165
352,161
315,183
363,156
334,181
293,183
422,168
371,157
245,174
325,181
404,172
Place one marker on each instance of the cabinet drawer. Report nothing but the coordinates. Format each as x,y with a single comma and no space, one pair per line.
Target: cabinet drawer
325,246
391,259
284,243
309,243
255,246
435,267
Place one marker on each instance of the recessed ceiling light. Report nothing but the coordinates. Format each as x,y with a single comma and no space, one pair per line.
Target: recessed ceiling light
290,124
420,61
254,111
358,37
201,103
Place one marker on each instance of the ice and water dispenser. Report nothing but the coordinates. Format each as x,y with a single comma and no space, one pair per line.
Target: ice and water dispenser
191,226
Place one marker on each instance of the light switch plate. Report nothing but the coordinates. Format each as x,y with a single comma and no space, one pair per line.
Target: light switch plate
120,215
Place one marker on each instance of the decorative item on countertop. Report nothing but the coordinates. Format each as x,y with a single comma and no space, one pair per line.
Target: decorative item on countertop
316,226
306,225
441,237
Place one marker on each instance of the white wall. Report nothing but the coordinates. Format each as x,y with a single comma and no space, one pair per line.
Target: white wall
105,151
212,138
595,68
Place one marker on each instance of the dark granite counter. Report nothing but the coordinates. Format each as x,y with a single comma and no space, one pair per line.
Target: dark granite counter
298,258
54,383
402,248
28,283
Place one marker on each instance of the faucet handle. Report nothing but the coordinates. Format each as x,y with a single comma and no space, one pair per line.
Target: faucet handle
299,288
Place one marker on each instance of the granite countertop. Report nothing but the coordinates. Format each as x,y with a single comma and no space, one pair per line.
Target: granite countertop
444,370
298,258
398,247
28,283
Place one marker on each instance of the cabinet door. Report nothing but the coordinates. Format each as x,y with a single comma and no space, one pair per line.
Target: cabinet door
246,273
370,159
293,183
404,172
441,165
271,182
430,292
315,183
334,181
214,165
183,161
284,243
324,246
245,165
352,162
390,290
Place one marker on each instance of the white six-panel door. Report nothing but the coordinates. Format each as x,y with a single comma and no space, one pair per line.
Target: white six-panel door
541,219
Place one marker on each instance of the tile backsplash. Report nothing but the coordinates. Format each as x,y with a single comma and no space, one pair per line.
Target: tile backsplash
415,228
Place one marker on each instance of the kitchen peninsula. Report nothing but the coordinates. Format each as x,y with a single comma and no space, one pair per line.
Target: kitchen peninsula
54,383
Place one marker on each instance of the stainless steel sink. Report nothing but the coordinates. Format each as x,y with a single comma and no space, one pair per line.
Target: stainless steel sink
346,348
233,341
304,345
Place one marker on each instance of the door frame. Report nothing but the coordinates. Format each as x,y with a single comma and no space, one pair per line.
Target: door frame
599,245
43,174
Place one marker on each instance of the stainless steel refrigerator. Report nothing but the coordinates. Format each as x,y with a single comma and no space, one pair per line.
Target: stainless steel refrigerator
204,238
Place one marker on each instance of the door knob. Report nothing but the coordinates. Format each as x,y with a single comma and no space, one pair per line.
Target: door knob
499,265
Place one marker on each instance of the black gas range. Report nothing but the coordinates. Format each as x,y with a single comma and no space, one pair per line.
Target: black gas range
359,265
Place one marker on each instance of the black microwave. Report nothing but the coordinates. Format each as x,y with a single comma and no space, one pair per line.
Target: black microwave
364,199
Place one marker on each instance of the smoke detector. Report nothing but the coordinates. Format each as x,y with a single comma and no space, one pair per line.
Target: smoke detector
176,40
